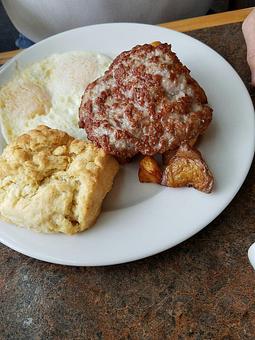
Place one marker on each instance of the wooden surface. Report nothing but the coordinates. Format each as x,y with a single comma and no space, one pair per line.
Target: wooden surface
181,25
5,56
208,20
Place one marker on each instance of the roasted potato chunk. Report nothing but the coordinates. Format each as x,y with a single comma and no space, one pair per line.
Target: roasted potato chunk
155,43
167,155
188,169
149,171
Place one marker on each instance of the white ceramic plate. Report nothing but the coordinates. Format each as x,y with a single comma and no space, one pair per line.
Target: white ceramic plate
139,220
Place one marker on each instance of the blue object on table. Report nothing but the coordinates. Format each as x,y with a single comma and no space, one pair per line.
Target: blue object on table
23,42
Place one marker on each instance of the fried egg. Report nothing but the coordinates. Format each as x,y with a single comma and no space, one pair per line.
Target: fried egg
49,92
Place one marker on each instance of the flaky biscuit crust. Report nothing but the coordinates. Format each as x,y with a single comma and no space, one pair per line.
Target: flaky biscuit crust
51,182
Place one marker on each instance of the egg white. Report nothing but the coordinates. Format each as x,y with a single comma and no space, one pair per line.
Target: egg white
49,92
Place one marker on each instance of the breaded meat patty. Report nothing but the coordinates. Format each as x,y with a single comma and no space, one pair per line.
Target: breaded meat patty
146,103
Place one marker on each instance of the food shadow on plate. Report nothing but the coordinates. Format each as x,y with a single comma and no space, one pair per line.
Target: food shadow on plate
127,190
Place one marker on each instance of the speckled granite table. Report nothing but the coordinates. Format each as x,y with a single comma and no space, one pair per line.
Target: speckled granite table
201,289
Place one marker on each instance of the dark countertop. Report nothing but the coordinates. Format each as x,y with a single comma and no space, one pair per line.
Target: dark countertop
8,33
201,289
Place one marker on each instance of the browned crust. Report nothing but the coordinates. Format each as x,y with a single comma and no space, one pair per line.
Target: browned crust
127,88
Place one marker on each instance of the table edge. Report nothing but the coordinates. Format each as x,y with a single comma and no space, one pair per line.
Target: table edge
185,25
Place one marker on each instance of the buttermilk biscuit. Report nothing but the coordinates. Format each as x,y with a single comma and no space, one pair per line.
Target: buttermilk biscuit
51,182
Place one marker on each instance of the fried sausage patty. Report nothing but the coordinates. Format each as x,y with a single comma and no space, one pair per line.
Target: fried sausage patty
146,103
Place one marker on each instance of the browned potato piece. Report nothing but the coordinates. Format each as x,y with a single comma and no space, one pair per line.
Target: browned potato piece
149,171
187,168
155,43
167,155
